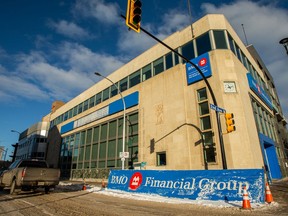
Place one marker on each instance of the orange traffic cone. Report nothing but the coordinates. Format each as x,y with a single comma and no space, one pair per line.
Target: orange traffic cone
246,202
84,187
103,184
269,197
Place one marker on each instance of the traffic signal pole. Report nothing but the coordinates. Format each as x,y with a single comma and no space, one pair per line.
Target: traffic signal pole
221,142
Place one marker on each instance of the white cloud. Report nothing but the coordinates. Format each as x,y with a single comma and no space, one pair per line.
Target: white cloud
82,59
69,29
98,9
173,21
59,81
265,25
14,86
134,44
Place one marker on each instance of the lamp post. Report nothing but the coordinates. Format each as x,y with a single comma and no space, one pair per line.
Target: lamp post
15,146
15,132
124,117
284,42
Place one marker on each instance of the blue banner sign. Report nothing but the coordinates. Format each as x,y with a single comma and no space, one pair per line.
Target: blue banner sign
224,185
203,63
254,86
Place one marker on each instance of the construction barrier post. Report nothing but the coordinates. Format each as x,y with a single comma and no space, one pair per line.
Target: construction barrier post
103,184
268,197
246,202
84,185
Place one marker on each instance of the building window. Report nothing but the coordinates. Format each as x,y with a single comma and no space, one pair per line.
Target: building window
65,117
98,98
263,120
85,105
146,72
161,159
220,40
158,66
92,102
70,113
203,44
105,94
205,122
75,109
114,90
169,60
87,153
238,51
134,79
206,128
176,57
210,149
188,51
80,108
124,84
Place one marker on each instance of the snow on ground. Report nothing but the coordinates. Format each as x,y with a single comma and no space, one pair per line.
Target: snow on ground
67,186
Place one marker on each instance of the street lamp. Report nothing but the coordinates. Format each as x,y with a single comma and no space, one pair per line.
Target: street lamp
284,42
15,145
15,131
124,117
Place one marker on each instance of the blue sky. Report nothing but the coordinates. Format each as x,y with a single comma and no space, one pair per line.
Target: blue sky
49,50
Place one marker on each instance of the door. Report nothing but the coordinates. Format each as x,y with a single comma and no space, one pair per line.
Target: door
272,161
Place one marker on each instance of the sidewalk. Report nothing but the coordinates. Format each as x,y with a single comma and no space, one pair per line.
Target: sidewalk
279,190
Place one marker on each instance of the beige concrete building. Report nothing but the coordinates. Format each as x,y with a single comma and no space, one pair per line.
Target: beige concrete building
167,103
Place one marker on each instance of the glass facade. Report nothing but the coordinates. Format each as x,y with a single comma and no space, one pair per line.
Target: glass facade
99,147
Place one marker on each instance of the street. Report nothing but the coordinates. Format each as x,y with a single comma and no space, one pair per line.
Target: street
74,201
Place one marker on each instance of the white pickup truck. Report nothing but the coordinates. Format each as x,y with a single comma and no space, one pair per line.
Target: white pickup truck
29,174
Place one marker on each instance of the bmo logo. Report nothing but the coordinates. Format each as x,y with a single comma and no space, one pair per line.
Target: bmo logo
202,62
135,181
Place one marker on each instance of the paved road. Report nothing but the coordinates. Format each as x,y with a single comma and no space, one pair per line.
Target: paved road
279,190
78,202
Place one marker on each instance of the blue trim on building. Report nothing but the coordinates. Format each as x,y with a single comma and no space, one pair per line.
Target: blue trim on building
130,101
270,157
67,127
114,107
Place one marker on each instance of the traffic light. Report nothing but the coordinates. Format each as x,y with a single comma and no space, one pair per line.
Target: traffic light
133,16
230,122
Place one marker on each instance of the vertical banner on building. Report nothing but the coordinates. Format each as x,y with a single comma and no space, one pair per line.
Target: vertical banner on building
203,63
197,185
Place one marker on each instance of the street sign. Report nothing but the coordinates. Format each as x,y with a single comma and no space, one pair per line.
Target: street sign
216,108
124,154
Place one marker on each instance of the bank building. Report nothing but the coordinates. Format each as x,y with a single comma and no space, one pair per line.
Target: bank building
171,119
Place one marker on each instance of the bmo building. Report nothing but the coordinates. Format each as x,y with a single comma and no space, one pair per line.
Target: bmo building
171,119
